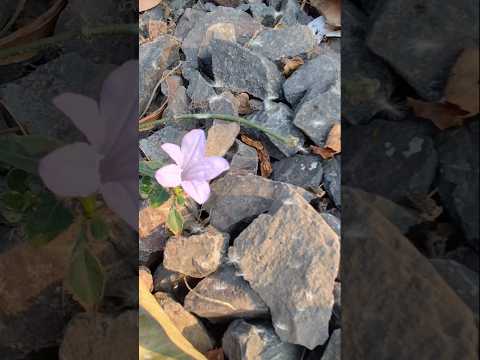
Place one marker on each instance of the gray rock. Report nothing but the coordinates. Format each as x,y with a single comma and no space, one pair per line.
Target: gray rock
29,99
244,341
146,17
367,82
284,42
299,170
395,291
155,57
189,325
225,103
462,280
8,8
197,255
187,21
177,95
199,90
403,152
227,286
321,72
244,28
293,245
334,348
291,13
458,151
317,113
150,146
165,280
236,198
266,15
333,221
431,36
277,117
240,70
337,305
465,256
244,161
332,179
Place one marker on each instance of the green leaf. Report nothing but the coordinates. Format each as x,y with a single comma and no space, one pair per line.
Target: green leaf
175,221
145,186
24,152
148,168
85,278
99,228
47,220
180,199
17,180
13,200
159,338
158,196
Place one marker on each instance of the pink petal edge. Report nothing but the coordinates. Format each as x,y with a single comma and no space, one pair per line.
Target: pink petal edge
169,176
193,146
174,152
199,191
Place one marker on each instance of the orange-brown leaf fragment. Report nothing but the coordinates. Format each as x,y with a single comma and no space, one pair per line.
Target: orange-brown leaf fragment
443,115
244,107
463,84
334,139
263,156
291,64
324,152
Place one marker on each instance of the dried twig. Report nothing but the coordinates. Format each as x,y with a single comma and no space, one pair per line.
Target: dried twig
263,156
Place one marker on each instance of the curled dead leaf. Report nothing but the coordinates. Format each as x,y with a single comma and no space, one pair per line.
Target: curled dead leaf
291,64
463,84
244,107
333,145
443,115
263,156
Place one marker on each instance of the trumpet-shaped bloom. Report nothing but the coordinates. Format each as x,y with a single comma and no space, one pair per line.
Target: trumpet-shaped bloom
192,169
104,163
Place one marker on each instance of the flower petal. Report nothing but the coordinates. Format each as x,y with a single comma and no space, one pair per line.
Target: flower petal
72,170
169,176
205,169
193,146
119,106
197,190
122,198
174,152
84,113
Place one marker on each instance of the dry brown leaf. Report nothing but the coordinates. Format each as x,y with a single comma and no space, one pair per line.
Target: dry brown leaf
263,156
41,27
334,139
443,115
324,152
215,354
144,5
291,64
331,9
463,84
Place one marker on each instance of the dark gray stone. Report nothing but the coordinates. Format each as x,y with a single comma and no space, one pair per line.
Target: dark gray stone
151,146
431,35
197,255
244,26
332,179
29,99
465,256
155,57
367,82
241,70
462,280
245,341
227,286
165,280
334,347
321,73
300,170
8,8
152,15
244,161
458,152
187,21
266,15
292,244
277,117
237,198
333,221
291,13
199,90
403,152
289,41
318,112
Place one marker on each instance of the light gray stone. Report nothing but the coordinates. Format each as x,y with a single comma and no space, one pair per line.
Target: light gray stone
299,170
225,285
292,244
245,341
196,255
150,146
244,161
238,198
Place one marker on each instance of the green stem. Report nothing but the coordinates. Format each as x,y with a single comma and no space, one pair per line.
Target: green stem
290,141
85,33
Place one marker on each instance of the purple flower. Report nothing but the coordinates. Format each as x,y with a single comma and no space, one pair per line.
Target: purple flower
192,169
108,163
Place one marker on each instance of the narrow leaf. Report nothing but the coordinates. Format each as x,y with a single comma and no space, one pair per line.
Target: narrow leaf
175,221
99,229
158,196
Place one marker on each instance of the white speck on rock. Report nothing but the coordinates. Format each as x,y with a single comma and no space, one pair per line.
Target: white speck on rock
390,149
414,147
313,166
